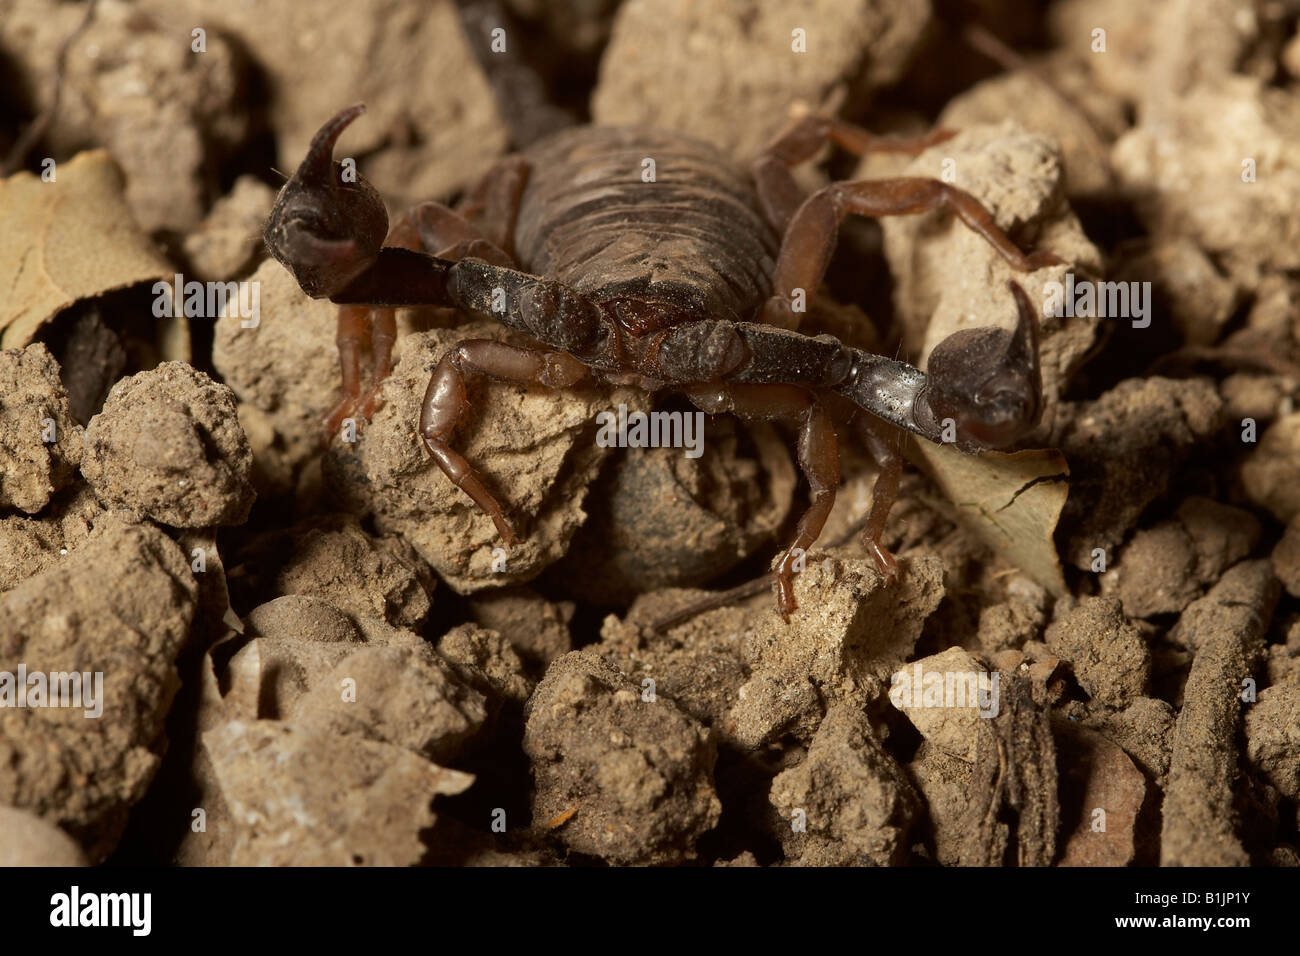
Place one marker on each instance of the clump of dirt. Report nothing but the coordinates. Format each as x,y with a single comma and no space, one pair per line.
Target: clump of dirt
1225,633
317,647
335,559
662,519
1124,449
848,802
170,112
168,446
536,628
619,772
759,60
28,840
1111,660
116,614
40,444
538,451
278,779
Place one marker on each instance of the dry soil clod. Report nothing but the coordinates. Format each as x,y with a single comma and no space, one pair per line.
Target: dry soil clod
1124,449
848,803
40,443
27,840
639,771
1014,777
660,519
119,607
434,123
849,630
300,797
725,71
168,446
333,558
535,446
1111,660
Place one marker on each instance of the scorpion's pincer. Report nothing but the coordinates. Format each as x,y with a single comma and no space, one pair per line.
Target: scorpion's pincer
328,223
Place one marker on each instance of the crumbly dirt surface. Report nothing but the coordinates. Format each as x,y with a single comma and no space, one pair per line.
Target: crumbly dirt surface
229,638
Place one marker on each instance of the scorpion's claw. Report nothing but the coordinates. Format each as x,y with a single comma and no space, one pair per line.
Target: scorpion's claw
987,380
886,564
328,223
507,533
785,602
1042,259
334,419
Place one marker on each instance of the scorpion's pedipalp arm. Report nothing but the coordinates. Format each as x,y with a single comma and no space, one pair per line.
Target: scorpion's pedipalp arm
888,389
546,309
399,277
983,390
403,278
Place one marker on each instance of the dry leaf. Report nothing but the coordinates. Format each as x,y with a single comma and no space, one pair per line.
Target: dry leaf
1012,502
73,239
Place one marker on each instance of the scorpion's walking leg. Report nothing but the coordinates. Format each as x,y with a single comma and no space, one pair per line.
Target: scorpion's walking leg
810,239
483,225
353,324
493,205
801,140
445,402
884,442
819,458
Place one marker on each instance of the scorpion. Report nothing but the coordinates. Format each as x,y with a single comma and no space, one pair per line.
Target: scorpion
693,283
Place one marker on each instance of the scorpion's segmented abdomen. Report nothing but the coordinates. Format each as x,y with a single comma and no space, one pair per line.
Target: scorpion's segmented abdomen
634,212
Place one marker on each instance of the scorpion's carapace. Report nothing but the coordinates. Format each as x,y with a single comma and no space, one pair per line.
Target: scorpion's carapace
686,282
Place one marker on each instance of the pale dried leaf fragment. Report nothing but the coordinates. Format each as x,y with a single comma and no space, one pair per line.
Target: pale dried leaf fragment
1011,502
72,239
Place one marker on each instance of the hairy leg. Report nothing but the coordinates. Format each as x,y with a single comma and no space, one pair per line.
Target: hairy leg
819,458
810,240
445,402
885,444
801,140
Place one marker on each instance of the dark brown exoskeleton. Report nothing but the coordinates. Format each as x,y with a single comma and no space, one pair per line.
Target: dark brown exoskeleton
689,282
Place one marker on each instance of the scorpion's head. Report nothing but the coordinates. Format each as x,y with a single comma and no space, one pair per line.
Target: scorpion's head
328,223
988,381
